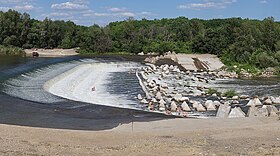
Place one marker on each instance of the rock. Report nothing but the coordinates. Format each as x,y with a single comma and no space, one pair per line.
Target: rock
158,96
139,97
173,106
275,100
217,103
141,54
200,108
262,112
177,97
164,85
235,98
184,99
244,96
154,100
208,102
185,107
195,104
236,113
235,102
251,103
211,107
151,106
252,111
161,105
223,111
144,101
223,98
272,111
268,102
258,112
257,102
214,95
254,102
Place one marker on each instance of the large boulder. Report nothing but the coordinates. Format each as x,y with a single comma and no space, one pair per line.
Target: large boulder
139,97
195,104
275,100
211,107
223,111
161,105
144,101
258,112
272,111
173,106
254,102
208,102
158,96
267,101
185,107
236,112
200,108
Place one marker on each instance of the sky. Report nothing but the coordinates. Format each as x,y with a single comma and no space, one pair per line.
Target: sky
102,12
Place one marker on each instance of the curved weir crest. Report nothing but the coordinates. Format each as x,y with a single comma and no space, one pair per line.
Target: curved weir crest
77,83
74,80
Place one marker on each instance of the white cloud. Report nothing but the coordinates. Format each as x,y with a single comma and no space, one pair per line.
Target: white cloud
4,9
126,14
69,6
24,7
14,1
145,13
117,9
263,1
207,4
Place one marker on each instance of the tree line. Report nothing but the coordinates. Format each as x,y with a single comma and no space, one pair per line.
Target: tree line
235,40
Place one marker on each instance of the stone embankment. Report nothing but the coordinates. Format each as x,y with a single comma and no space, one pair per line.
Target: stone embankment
186,93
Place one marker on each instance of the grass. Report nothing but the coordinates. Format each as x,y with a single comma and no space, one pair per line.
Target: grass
11,50
212,91
85,52
230,93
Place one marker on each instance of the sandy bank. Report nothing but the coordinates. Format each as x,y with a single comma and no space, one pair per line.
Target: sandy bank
51,52
250,136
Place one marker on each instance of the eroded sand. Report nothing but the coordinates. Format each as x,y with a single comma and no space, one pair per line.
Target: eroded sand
249,136
51,52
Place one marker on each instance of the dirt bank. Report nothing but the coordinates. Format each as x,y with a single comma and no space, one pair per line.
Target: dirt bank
51,52
250,136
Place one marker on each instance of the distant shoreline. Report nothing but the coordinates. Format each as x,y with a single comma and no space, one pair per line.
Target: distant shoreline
51,52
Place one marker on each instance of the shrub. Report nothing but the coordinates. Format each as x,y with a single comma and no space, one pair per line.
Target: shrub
230,93
211,91
263,60
10,50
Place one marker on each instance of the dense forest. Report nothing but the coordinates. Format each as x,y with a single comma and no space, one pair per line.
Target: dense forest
235,40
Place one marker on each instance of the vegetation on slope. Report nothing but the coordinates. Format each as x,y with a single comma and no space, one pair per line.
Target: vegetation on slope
235,40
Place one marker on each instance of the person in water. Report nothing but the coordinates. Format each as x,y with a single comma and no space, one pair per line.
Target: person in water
93,88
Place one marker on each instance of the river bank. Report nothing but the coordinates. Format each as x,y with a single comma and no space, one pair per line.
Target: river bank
250,136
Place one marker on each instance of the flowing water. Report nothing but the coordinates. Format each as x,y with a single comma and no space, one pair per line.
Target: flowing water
58,80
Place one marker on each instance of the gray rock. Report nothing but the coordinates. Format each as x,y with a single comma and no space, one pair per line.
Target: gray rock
185,107
139,97
235,98
173,106
223,111
272,111
200,108
268,102
236,113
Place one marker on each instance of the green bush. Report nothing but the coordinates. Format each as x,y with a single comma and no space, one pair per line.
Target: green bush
230,93
212,91
10,50
264,60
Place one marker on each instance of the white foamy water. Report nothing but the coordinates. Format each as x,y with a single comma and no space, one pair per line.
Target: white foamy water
77,83
74,80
